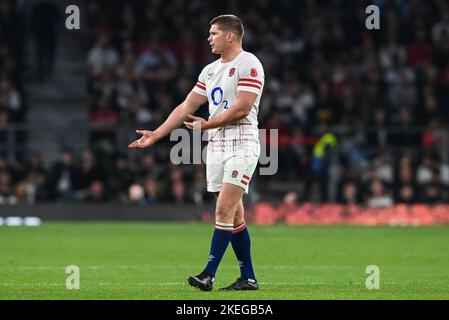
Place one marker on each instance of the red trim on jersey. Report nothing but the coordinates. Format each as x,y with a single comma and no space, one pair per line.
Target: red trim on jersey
246,177
251,80
244,182
201,86
201,83
249,85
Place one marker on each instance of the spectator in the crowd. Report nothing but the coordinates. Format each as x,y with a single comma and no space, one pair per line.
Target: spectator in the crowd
11,100
384,167
156,63
199,191
280,122
288,204
405,166
351,149
401,86
87,172
350,193
425,170
63,175
376,133
406,194
105,85
431,108
142,116
97,192
441,27
420,49
22,194
136,194
37,179
405,187
120,178
320,163
151,190
379,197
433,191
179,192
6,166
102,57
434,136
150,166
404,133
303,100
6,192
103,121
129,88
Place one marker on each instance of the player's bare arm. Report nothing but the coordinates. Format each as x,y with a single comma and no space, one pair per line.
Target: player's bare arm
192,102
236,112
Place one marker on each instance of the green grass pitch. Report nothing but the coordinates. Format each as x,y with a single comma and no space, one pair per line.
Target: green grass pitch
153,260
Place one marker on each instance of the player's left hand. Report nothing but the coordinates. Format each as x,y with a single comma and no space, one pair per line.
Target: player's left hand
196,123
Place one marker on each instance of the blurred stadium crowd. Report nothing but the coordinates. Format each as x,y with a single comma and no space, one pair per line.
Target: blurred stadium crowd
362,114
12,103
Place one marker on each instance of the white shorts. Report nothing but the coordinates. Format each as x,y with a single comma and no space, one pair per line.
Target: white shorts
234,167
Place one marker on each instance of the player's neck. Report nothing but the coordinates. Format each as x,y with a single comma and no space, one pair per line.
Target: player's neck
231,54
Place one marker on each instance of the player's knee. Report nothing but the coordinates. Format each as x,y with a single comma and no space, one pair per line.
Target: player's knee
238,217
224,212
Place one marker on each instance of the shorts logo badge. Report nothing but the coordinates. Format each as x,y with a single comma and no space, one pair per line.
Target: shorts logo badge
234,173
253,72
231,72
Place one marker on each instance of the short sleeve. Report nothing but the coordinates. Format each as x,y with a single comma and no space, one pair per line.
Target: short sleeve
200,86
251,76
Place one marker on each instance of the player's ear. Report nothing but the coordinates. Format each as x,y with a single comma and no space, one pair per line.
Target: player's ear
230,36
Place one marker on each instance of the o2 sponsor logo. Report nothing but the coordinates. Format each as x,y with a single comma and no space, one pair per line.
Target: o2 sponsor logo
217,97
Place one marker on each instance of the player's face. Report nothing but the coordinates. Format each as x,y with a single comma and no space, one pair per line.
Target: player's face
217,39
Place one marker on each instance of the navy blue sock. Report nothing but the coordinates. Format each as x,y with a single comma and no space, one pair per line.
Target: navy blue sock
241,243
220,240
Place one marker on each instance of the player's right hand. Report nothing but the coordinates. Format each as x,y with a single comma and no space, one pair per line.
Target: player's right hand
147,139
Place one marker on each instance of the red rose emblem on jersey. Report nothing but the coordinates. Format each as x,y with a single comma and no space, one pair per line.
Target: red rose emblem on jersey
234,173
253,72
231,72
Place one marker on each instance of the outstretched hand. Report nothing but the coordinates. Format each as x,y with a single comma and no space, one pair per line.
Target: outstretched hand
147,139
196,123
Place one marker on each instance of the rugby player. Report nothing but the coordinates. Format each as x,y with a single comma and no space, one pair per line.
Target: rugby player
232,86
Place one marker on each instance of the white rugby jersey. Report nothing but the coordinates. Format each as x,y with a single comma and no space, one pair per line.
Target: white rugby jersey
219,82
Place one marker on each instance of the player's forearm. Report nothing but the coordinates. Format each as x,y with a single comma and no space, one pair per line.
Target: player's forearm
173,121
232,115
